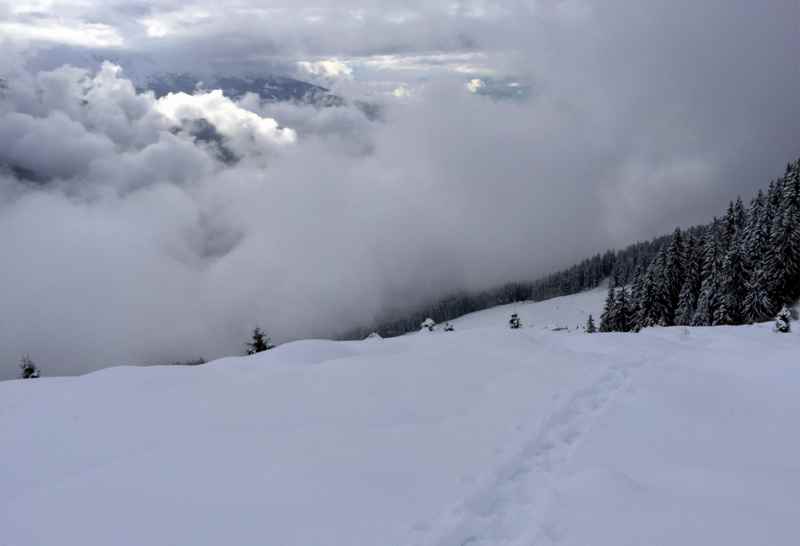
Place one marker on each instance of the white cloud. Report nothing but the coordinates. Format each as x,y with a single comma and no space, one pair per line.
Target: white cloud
401,92
475,85
435,61
168,23
327,69
73,32
247,132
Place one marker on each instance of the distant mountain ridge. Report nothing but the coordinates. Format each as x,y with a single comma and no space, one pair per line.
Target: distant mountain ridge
269,87
152,74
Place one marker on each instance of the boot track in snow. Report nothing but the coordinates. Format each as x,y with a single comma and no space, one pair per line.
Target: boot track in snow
521,490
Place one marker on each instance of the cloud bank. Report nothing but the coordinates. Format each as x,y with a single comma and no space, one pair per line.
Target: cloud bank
144,230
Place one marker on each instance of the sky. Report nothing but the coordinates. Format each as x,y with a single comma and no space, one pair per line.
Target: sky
516,138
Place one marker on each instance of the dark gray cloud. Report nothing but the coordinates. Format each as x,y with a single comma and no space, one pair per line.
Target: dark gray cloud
137,242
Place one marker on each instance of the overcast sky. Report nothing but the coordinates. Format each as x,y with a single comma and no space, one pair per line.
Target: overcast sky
137,244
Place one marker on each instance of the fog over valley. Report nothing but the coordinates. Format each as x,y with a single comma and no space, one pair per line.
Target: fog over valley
173,174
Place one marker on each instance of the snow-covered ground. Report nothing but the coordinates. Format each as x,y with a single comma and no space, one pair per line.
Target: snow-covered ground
482,436
569,312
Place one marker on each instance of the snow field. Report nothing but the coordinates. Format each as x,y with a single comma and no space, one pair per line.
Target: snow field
479,436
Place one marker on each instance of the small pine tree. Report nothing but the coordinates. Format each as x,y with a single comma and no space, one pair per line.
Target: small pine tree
259,342
428,324
448,327
514,321
28,370
590,327
783,321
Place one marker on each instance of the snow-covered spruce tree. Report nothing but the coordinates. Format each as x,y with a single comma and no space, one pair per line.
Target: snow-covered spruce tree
623,311
590,327
756,232
756,306
636,291
727,236
448,327
709,298
733,284
783,320
728,228
791,287
687,303
783,258
759,221
673,276
646,305
514,321
28,370
428,325
608,319
692,280
740,215
659,311
259,342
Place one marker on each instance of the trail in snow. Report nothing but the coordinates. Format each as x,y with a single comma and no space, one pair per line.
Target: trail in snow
510,506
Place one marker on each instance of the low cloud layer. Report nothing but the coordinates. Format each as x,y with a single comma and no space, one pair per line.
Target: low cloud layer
143,230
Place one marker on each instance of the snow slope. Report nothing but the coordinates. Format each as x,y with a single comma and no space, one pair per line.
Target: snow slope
564,312
480,436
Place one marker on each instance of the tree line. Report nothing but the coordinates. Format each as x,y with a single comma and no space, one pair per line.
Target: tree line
738,269
585,275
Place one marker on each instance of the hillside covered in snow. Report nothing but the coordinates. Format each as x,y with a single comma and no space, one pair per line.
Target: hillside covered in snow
570,312
481,436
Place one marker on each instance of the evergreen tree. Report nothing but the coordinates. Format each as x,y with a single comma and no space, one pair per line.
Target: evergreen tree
608,319
636,294
514,321
783,321
259,342
728,229
590,327
709,298
623,316
756,232
428,325
672,275
733,284
647,306
783,259
756,306
740,215
28,370
692,281
687,304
